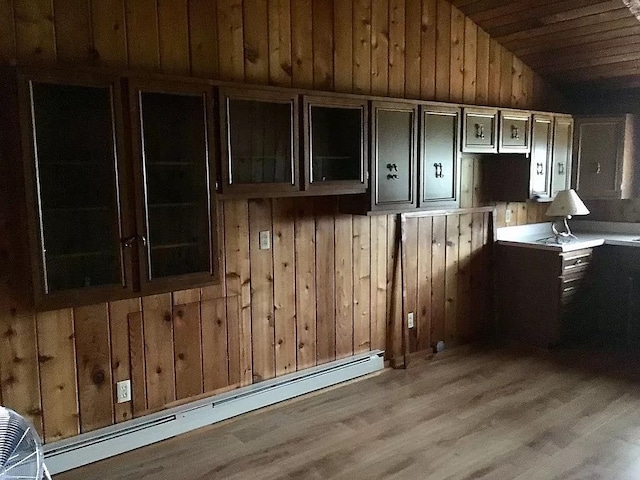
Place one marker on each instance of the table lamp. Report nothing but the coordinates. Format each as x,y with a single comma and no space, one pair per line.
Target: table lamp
566,204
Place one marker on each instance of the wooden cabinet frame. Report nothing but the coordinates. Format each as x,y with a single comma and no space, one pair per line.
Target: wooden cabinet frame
542,167
490,113
523,116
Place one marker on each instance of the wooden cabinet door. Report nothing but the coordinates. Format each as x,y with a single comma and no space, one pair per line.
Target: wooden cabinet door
335,144
76,192
394,149
541,141
514,131
439,146
561,156
480,130
259,142
174,176
599,156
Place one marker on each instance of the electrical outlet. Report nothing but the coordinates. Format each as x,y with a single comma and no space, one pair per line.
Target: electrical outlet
123,390
265,240
410,319
507,216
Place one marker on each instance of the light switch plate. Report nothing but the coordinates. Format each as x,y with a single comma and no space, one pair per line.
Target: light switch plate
410,320
265,240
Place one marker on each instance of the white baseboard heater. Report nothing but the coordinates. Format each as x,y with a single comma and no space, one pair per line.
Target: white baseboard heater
116,439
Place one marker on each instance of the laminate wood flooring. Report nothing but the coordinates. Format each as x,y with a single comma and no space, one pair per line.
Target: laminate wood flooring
482,413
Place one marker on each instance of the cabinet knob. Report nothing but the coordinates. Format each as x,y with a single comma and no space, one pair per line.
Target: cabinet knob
560,168
515,132
479,130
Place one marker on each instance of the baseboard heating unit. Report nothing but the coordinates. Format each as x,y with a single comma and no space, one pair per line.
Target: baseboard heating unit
114,440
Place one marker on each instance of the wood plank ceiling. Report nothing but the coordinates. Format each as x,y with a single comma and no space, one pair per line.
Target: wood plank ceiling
593,43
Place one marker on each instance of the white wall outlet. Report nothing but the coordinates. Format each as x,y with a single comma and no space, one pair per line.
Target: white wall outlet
265,240
410,319
507,215
123,390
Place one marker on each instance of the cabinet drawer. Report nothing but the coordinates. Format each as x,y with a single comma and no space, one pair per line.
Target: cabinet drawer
514,131
569,286
480,131
577,261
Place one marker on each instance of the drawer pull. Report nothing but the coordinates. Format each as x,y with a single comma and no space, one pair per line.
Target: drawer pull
515,133
560,168
479,130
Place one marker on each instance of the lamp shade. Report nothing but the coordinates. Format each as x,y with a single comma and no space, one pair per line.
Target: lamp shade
567,203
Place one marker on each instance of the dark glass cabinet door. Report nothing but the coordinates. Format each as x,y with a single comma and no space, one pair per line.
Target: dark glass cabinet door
176,233
394,148
335,144
440,177
74,174
259,141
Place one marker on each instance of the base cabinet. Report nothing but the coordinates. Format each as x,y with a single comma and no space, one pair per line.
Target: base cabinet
540,294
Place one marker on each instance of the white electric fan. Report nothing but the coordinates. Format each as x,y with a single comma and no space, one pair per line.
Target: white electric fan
21,454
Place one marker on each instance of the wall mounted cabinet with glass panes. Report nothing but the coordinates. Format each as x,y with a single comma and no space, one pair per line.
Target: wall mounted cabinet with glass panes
77,234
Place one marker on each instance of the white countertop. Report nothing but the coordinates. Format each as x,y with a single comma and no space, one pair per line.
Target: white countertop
589,234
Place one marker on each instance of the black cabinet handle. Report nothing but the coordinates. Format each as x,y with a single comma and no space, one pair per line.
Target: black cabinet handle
392,167
560,168
515,132
438,167
129,242
392,177
539,168
479,130
598,169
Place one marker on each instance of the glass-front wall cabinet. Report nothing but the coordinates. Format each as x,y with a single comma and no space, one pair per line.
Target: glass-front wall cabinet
174,176
335,144
259,133
73,179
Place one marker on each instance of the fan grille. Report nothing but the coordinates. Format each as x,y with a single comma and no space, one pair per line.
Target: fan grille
20,448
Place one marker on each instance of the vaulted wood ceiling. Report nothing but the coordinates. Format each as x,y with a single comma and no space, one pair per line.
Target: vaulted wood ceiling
569,42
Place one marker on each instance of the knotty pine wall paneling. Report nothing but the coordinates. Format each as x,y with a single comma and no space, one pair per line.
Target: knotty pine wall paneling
327,288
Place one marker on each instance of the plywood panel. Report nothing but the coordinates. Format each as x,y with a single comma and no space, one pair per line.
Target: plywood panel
380,47
74,41
8,38
464,278
203,38
423,317
262,316
34,30
451,279
429,49
215,360
325,281
231,40
506,77
93,357
361,284
280,68
109,32
323,44
256,41
142,33
413,44
443,51
302,43
137,362
470,60
188,349
456,88
395,322
56,355
362,35
495,62
343,268
397,23
438,248
342,45
410,274
284,284
120,362
378,282
238,280
305,249
158,350
482,68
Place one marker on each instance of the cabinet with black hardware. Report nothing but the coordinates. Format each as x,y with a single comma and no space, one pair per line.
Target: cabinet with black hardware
394,128
439,152
561,153
480,130
515,126
603,156
541,149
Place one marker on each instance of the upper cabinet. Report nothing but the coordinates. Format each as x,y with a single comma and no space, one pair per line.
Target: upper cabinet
541,150
335,144
174,178
561,155
480,130
394,128
439,151
106,211
69,142
603,156
259,142
515,127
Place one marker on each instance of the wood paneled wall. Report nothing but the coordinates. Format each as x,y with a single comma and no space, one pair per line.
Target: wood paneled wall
325,289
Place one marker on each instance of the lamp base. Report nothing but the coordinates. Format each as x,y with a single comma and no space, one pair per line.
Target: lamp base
564,235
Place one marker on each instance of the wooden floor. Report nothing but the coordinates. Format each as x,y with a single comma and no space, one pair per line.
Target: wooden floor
479,414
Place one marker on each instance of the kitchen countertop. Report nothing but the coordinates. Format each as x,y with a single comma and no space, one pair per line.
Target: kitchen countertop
589,234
